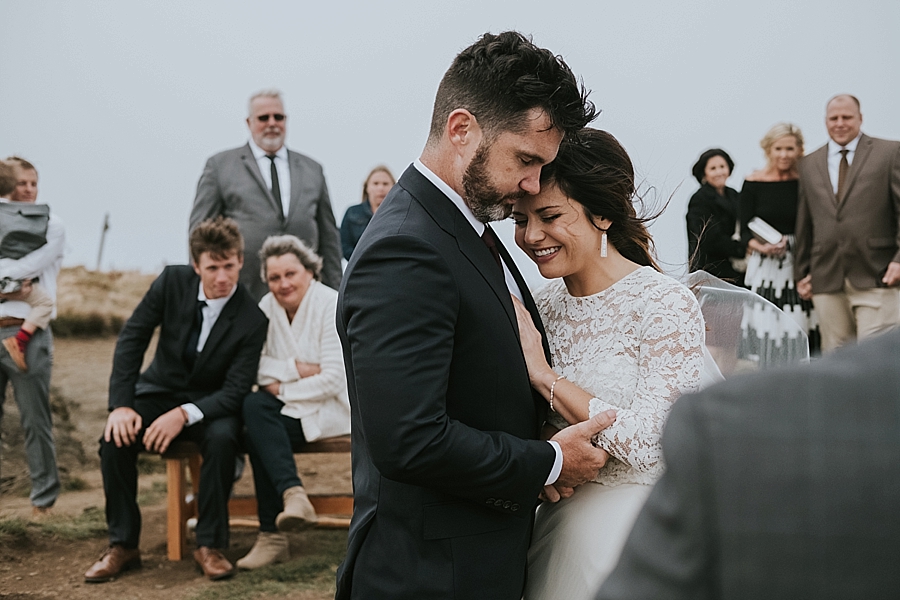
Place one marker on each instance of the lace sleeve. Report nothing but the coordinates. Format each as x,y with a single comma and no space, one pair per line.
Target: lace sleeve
670,363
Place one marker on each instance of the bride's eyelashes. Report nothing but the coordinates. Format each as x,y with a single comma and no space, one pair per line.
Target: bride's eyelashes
543,218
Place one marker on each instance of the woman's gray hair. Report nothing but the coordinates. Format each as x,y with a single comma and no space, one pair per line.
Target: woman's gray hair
279,245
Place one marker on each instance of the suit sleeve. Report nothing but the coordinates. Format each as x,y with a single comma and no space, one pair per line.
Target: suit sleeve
694,228
329,241
208,200
133,341
747,210
895,196
669,551
240,375
803,232
400,309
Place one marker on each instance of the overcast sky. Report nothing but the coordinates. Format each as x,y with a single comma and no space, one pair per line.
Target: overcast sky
119,104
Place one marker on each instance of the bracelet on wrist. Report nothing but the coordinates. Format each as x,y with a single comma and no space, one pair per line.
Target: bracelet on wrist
553,391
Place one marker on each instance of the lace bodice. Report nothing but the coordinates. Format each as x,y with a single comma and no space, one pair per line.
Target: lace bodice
636,347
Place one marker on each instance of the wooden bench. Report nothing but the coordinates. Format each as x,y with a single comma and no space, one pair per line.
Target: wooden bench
334,509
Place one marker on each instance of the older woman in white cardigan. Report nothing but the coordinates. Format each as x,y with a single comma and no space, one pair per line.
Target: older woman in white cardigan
302,392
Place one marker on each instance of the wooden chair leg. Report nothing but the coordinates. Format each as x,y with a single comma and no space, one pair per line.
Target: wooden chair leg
176,509
194,463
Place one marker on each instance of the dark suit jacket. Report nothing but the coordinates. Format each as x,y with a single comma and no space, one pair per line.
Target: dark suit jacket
854,238
223,372
711,221
446,466
231,185
779,485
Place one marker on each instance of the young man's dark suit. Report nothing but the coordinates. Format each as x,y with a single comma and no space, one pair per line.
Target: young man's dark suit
446,466
221,376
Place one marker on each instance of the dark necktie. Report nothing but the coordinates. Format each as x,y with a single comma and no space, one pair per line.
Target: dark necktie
491,242
276,187
190,350
842,174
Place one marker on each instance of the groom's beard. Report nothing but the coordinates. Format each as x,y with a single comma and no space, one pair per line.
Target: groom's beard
485,200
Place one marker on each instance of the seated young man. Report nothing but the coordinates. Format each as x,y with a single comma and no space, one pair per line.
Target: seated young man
211,335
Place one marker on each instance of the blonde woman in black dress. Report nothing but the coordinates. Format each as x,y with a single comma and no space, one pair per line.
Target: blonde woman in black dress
770,194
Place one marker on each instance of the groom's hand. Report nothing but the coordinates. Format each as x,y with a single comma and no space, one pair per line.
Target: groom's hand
581,459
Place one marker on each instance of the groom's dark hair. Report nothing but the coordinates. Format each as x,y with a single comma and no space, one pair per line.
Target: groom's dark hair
501,77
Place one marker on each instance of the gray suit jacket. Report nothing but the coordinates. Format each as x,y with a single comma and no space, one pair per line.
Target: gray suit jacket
784,484
231,185
854,237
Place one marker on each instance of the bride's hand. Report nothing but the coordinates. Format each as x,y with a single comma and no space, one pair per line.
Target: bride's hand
530,339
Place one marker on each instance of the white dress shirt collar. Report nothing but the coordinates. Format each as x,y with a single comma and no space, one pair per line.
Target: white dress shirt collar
259,153
834,158
211,313
448,191
835,148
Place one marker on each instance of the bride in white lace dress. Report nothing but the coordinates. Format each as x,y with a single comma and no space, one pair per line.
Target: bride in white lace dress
622,336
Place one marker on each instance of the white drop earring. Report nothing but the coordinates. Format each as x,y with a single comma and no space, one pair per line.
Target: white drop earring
603,245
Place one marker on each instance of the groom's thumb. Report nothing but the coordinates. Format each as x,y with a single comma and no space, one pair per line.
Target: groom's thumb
599,422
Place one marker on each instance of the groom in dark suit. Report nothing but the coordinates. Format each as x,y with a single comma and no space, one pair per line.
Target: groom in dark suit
211,335
781,485
447,466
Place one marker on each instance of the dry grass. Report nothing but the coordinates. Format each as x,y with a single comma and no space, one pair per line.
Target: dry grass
96,304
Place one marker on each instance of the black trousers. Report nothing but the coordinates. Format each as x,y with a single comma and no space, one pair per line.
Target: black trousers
219,441
271,439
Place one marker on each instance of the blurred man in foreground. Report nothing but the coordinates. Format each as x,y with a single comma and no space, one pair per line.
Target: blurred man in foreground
778,485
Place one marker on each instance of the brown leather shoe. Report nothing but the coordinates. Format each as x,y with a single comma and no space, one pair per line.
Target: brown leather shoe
15,353
213,564
114,560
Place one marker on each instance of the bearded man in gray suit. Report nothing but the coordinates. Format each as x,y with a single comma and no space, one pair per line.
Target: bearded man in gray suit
270,190
847,257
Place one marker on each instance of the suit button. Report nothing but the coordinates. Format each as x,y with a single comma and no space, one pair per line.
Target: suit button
498,503
507,504
489,501
514,507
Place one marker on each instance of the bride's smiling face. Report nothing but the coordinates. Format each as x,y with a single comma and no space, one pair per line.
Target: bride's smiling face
555,233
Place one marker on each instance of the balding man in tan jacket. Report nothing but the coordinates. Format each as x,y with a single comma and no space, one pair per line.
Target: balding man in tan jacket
848,229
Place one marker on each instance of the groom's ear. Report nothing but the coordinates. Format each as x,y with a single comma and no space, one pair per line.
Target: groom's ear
463,129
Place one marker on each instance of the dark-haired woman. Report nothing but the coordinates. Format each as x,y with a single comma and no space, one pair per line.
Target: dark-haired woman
712,219
622,336
356,219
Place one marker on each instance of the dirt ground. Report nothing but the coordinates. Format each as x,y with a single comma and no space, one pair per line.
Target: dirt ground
46,566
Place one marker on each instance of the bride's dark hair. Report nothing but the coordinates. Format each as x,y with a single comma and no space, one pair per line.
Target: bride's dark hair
593,169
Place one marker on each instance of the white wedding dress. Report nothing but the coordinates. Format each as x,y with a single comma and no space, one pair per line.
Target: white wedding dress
636,347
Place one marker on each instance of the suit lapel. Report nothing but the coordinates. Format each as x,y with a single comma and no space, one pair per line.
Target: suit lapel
478,254
863,150
251,165
221,327
821,165
448,218
295,167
